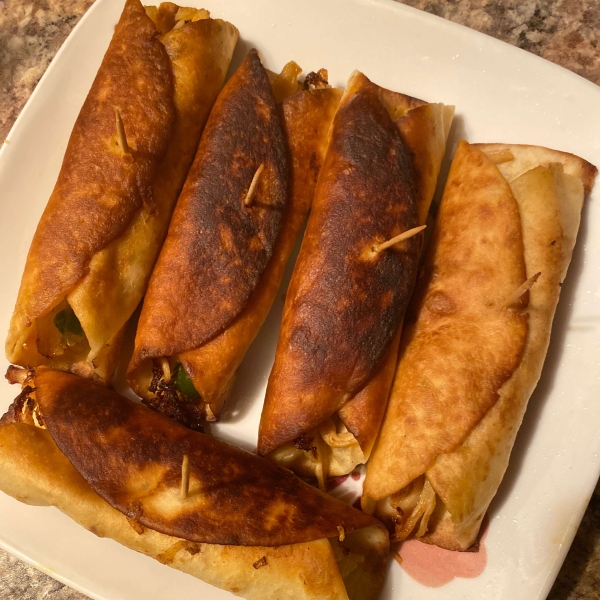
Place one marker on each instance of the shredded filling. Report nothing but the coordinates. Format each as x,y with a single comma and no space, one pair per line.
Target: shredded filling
182,16
24,409
318,449
409,509
500,156
286,83
347,560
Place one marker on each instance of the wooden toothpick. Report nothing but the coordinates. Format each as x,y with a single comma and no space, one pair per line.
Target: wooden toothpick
185,476
253,184
121,133
397,239
524,287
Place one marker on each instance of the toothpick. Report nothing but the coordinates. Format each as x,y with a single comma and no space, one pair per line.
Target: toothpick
253,184
121,133
524,287
185,476
399,238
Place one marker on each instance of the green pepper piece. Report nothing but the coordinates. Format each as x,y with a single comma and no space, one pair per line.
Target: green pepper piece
184,384
66,322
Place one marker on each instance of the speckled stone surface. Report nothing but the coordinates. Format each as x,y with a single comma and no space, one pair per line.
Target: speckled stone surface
564,31
30,35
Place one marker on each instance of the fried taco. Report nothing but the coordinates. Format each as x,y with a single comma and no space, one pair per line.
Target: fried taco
338,343
126,160
234,227
475,338
228,517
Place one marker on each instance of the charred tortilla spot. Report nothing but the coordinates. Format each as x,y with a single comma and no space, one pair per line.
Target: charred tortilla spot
305,442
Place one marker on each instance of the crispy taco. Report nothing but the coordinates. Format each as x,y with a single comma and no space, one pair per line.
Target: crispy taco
475,338
127,158
337,348
232,233
226,516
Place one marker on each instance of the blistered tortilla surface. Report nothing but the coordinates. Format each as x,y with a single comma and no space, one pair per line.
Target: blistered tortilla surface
549,188
100,187
461,341
424,129
200,53
132,456
307,117
218,246
34,471
345,302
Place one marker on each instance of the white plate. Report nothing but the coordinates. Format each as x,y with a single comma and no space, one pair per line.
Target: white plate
502,94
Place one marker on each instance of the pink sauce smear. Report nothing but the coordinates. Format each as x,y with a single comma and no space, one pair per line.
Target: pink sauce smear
435,567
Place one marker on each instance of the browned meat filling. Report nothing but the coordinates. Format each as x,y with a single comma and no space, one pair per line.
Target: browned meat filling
172,403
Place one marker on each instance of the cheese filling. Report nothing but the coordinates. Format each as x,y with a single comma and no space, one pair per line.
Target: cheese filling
407,511
329,450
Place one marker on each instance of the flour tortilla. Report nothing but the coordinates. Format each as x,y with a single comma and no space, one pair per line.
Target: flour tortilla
357,407
106,219
115,467
166,327
464,458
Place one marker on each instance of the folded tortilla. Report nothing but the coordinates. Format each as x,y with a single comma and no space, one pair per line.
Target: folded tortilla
223,259
338,344
475,339
245,525
127,158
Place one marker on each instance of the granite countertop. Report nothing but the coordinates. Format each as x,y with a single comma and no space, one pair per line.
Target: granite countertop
563,31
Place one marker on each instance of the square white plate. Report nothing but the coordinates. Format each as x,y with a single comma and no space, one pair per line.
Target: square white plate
501,94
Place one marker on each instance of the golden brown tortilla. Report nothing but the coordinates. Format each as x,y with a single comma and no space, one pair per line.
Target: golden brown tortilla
345,301
211,365
130,455
424,129
473,351
127,157
318,380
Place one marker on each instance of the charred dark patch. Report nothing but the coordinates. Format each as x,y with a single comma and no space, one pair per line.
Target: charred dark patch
316,80
304,442
370,197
